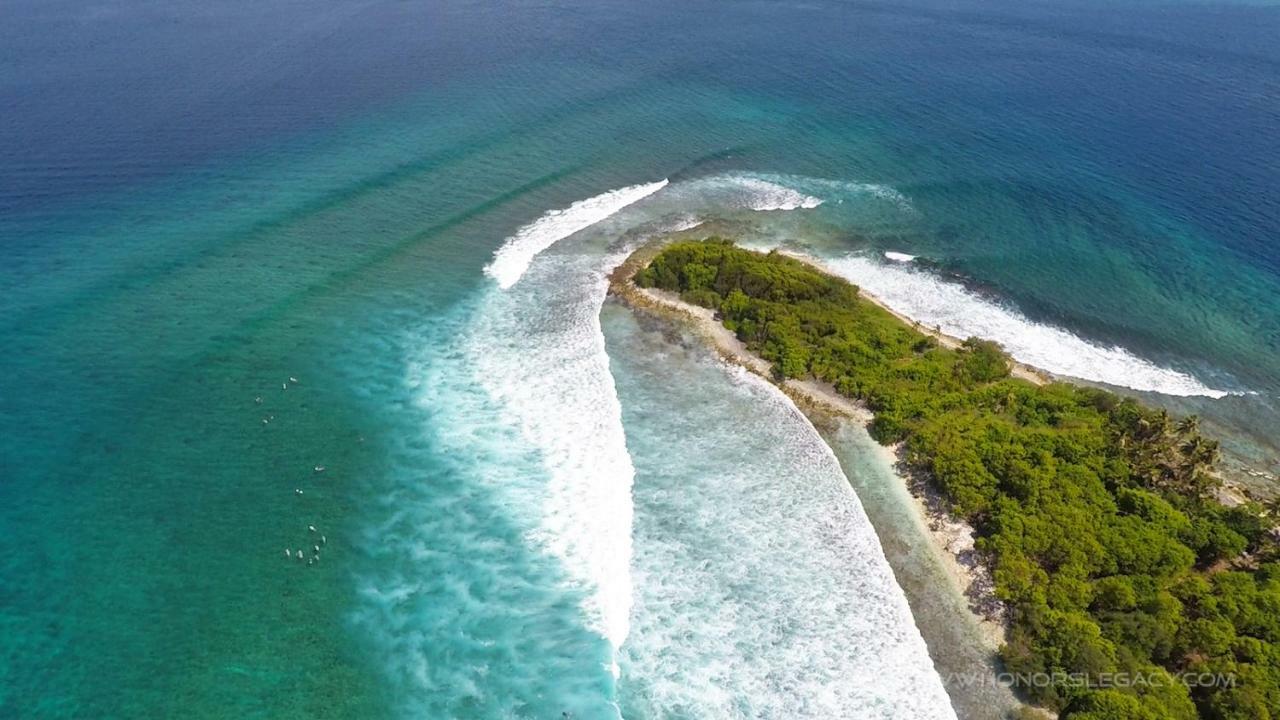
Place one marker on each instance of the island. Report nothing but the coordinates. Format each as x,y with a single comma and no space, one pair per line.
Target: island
1129,590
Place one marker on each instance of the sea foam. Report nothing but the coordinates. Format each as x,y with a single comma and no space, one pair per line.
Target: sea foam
512,259
838,191
742,191
454,584
728,193
761,589
960,312
766,196
539,352
516,541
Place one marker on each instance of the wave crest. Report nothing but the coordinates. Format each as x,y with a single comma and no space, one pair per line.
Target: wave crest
765,196
512,259
959,312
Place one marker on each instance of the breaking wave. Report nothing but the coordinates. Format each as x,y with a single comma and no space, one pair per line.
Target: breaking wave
963,313
742,191
540,355
512,259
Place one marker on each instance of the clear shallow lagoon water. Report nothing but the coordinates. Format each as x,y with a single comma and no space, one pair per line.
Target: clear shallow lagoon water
198,204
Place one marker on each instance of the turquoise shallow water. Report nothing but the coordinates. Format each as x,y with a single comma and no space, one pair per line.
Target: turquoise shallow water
198,204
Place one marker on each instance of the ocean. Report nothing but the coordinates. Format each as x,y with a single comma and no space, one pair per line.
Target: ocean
312,404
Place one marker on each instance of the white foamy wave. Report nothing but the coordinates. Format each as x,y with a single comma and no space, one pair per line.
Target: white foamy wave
884,192
838,191
687,222
898,257
512,259
739,191
764,196
959,312
539,353
761,588
452,588
774,192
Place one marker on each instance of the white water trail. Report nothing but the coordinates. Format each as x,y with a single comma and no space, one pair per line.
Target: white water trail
539,352
765,196
838,191
537,348
457,586
740,191
962,313
512,259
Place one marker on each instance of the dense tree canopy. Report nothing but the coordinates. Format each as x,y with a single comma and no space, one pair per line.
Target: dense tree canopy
1129,585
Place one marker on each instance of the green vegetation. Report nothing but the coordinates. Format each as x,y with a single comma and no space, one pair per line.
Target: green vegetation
1130,587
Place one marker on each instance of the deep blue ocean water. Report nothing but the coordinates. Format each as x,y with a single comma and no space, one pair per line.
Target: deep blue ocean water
240,242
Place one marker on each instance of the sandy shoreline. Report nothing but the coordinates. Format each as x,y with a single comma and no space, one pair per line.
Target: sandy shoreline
952,539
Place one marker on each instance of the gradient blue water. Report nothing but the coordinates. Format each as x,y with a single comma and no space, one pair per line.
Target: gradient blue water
198,203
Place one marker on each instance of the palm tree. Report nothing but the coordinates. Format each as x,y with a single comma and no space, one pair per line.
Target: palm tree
1192,446
1189,425
1207,454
